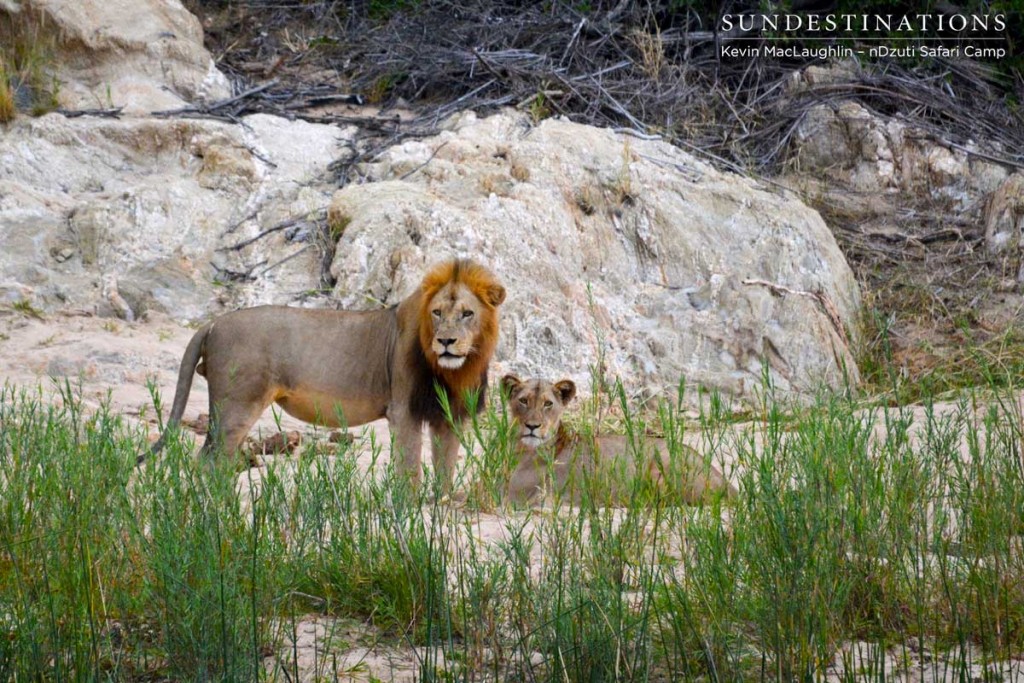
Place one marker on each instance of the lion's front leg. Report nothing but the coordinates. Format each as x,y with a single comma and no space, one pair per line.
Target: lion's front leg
444,450
406,443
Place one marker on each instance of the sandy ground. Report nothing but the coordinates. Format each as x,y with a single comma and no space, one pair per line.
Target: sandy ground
112,361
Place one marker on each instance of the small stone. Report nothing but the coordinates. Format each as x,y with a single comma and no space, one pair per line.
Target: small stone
340,437
64,254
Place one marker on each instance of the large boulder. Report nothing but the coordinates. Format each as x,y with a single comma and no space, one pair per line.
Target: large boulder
121,217
143,55
624,256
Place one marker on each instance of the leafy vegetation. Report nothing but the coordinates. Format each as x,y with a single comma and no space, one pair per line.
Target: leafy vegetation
857,533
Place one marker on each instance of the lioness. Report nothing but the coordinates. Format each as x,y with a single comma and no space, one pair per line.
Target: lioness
316,364
553,459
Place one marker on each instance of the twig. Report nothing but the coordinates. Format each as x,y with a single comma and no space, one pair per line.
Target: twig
637,134
114,113
211,108
238,275
486,64
240,223
321,214
321,100
614,67
983,155
826,304
260,156
241,96
421,166
286,259
572,40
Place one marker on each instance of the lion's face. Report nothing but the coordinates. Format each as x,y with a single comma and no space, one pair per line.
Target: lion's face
456,315
458,321
537,407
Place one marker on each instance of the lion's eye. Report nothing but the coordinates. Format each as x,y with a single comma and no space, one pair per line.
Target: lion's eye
467,314
522,401
436,312
548,404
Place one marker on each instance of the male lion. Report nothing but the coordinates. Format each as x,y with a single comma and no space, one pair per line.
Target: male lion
322,365
551,458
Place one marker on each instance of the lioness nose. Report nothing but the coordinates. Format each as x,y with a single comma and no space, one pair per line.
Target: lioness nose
533,427
445,342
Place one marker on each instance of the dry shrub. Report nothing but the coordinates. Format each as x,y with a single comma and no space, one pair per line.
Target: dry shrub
651,49
8,110
27,61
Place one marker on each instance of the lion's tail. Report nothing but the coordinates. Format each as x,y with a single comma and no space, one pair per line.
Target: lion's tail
194,352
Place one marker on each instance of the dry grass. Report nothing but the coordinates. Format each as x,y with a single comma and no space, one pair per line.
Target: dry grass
652,51
520,172
27,61
496,184
623,192
588,199
8,110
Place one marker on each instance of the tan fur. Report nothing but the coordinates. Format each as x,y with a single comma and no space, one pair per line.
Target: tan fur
346,368
554,460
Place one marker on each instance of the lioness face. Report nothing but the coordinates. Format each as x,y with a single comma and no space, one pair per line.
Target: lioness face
537,407
456,315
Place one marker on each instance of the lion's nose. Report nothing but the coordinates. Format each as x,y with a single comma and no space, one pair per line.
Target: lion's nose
445,342
533,427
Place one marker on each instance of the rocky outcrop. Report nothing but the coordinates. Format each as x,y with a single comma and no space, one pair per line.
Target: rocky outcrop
622,255
870,153
120,217
855,148
142,55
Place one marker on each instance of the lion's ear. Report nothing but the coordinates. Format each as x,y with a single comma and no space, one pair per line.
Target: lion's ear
509,383
566,389
495,294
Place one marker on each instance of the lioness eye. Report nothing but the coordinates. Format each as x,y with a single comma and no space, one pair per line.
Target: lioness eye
522,401
548,404
436,312
467,314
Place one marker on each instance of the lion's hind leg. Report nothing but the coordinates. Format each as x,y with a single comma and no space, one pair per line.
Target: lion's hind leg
232,415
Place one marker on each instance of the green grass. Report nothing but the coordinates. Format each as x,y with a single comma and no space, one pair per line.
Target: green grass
853,527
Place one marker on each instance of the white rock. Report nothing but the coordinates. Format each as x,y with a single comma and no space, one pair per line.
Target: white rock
152,202
142,55
869,153
1004,215
618,253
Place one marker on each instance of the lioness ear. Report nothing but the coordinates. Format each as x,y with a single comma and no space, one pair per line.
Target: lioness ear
495,294
566,389
509,383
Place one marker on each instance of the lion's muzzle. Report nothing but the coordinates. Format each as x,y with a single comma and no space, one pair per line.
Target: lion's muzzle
447,353
531,435
450,361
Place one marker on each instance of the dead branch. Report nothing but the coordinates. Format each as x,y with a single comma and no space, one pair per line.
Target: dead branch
222,104
829,308
114,113
284,225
